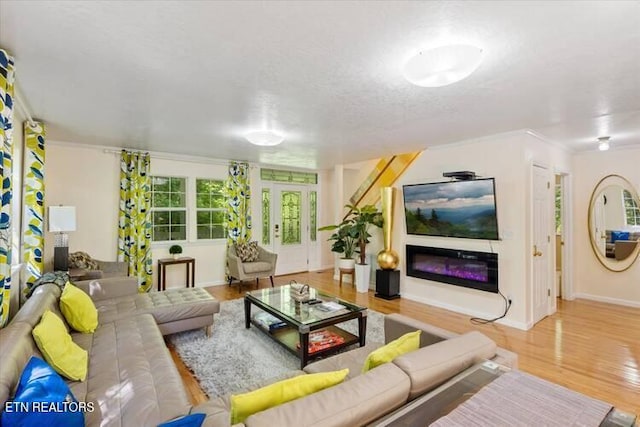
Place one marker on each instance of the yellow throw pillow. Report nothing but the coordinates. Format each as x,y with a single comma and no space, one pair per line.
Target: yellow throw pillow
78,309
244,405
55,344
405,344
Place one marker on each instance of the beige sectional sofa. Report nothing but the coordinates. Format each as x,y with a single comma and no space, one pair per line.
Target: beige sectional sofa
363,398
131,378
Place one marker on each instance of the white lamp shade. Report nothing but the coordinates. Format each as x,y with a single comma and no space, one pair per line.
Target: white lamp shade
62,218
264,138
443,65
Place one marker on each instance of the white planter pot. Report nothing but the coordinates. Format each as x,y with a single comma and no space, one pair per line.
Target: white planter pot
346,263
363,275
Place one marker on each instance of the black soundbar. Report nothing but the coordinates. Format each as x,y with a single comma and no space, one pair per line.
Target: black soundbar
460,175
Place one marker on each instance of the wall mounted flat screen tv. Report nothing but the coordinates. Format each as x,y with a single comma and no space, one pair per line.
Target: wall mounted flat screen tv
465,209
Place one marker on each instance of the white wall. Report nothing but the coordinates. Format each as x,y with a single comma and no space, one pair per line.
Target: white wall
88,177
592,280
507,158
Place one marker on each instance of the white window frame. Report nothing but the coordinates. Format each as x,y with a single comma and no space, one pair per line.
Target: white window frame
185,209
197,210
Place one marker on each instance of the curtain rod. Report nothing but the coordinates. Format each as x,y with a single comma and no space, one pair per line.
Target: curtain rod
179,157
20,100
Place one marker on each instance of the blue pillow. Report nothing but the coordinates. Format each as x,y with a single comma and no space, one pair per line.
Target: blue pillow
42,399
619,235
193,420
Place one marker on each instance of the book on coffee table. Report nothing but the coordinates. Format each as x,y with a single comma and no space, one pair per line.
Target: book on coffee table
268,321
321,340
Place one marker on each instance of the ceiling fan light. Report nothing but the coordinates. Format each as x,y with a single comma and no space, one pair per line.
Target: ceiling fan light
443,65
264,138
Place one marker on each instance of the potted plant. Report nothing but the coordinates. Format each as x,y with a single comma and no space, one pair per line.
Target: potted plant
362,220
344,242
175,250
351,236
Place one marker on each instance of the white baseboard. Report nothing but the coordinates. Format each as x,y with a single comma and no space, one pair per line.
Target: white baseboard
507,322
324,267
608,300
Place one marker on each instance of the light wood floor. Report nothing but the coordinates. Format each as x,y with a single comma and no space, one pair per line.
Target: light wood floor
590,347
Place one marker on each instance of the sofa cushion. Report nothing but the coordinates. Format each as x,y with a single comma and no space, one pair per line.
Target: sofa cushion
356,402
430,366
352,360
55,344
39,382
78,309
247,252
246,404
44,297
406,343
132,379
82,260
256,267
166,306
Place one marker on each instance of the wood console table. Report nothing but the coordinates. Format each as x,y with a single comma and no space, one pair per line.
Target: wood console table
162,270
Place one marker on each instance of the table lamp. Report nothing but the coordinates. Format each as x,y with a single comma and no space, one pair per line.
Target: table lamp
61,220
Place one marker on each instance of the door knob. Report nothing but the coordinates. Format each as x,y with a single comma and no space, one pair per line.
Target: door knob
536,252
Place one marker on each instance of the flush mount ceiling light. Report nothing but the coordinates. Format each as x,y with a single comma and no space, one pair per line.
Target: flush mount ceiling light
603,143
265,138
443,65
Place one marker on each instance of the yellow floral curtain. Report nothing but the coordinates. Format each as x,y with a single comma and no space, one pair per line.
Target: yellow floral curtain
33,221
238,209
7,78
134,222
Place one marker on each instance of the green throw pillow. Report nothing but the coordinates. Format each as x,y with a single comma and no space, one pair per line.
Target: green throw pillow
405,344
244,405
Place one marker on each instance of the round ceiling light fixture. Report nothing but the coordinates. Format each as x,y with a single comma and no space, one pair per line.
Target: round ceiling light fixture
603,143
264,138
443,65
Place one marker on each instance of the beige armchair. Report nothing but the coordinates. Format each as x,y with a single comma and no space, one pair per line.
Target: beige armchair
95,268
264,266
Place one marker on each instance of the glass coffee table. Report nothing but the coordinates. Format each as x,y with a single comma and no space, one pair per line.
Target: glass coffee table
299,321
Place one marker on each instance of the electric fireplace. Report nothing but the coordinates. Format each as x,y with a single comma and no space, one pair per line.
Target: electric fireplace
471,269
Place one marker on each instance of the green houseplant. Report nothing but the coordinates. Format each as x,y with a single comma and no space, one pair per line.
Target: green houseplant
175,250
344,241
352,234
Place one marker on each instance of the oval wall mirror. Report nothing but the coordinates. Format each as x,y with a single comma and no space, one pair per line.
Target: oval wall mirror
614,223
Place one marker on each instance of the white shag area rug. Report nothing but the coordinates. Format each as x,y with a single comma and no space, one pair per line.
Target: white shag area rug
235,359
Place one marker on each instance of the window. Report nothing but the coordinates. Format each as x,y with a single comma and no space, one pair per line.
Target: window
266,212
631,209
168,208
288,176
210,208
313,215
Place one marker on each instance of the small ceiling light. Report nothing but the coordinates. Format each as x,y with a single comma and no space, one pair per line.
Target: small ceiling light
603,143
443,65
265,138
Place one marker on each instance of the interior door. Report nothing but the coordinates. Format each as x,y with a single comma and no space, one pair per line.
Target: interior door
291,228
541,251
599,224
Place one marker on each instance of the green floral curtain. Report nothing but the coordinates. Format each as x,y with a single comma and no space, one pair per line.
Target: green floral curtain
7,78
134,222
33,221
238,193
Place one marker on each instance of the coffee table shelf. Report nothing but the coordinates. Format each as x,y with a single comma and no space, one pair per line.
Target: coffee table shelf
302,319
289,338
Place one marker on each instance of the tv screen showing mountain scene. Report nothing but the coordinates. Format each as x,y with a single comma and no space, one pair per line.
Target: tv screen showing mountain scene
464,209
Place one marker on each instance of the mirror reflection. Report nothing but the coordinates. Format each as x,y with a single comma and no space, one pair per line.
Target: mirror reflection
614,225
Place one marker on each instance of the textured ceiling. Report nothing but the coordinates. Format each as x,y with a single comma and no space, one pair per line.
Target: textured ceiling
193,77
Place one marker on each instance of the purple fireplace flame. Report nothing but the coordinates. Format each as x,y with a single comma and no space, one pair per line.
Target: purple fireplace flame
463,269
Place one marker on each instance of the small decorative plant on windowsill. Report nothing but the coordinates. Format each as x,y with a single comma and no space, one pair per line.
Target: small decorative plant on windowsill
175,250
